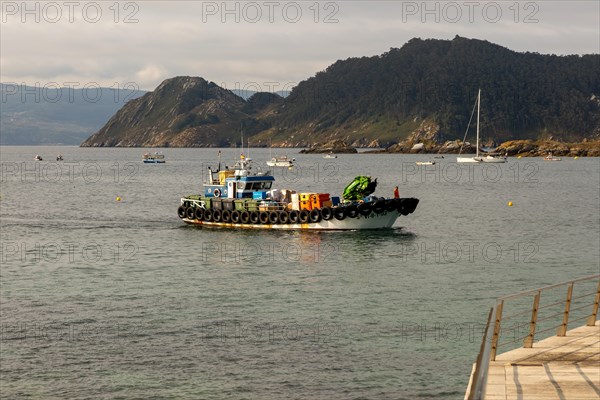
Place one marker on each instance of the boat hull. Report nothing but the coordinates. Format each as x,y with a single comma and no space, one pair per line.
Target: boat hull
494,160
472,160
283,164
385,219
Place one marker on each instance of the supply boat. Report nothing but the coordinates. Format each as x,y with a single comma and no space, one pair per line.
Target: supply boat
241,198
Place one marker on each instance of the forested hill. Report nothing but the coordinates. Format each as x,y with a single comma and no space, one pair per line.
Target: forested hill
425,87
524,95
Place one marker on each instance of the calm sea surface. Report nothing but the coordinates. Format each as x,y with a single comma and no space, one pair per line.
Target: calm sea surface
107,299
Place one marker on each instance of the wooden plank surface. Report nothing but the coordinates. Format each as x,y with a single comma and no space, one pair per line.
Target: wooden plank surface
566,367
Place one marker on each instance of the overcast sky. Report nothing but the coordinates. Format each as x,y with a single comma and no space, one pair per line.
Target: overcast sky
253,44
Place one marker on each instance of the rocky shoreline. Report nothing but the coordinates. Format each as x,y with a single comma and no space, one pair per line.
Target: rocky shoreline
513,148
337,146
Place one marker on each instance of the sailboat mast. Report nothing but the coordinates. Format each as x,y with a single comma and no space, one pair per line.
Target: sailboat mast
478,107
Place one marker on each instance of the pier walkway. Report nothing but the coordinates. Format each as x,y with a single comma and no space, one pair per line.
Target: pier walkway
562,366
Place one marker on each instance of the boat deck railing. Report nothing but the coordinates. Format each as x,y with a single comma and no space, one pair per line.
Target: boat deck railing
524,318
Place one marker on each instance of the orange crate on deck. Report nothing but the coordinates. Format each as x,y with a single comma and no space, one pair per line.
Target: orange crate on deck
306,205
317,199
305,196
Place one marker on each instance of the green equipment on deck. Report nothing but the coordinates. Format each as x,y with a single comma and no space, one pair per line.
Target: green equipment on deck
360,187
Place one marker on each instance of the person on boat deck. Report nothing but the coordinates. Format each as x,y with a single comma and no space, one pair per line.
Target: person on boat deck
396,193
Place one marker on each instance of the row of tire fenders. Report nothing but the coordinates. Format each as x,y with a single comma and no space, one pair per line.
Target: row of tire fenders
354,210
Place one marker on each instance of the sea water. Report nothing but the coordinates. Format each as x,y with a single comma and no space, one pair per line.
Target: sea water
106,293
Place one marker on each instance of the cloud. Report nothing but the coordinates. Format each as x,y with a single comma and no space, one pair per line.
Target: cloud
150,74
146,42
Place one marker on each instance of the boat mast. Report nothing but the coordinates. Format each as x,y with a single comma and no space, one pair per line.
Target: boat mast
478,107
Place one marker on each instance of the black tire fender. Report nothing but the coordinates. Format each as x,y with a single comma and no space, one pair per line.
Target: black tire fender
293,217
326,213
245,217
303,216
263,217
190,213
379,206
352,211
284,217
226,216
339,213
315,215
364,209
390,205
273,217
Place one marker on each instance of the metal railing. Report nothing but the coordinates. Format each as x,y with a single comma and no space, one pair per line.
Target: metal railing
535,313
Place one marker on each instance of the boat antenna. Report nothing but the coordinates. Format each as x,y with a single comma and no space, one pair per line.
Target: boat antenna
468,126
242,133
219,161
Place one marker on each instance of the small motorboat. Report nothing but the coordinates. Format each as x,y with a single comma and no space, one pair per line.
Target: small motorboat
37,158
282,161
59,157
156,158
550,157
330,155
425,162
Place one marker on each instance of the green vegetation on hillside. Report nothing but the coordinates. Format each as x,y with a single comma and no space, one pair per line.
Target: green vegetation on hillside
384,98
523,94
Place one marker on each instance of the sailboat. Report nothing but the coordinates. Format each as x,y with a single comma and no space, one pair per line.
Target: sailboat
478,159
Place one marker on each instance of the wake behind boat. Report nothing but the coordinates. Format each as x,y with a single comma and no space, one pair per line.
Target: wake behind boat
242,198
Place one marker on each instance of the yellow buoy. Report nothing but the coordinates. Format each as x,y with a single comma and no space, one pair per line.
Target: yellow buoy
510,203
118,198
519,156
576,157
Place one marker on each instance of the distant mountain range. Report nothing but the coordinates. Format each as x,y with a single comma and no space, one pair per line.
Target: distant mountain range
48,115
425,88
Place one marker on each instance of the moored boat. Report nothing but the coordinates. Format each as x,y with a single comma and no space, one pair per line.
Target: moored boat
156,158
550,157
281,161
478,159
241,198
